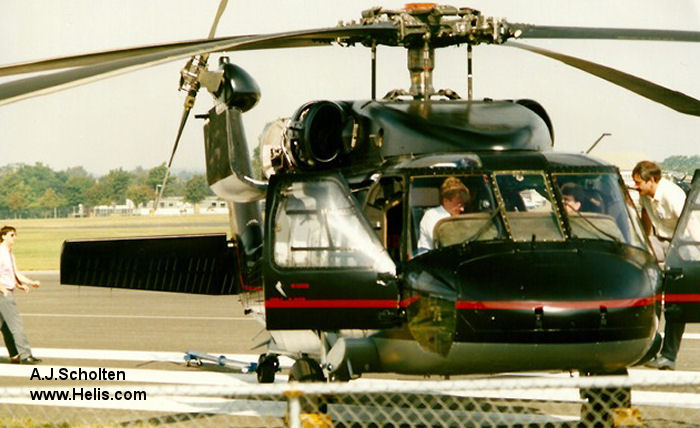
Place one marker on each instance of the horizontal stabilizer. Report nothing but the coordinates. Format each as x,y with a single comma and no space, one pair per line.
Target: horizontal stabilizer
197,264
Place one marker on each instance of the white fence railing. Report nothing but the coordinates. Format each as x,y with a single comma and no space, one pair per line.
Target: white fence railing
507,401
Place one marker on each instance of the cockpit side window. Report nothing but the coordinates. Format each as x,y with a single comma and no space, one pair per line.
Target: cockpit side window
597,208
317,225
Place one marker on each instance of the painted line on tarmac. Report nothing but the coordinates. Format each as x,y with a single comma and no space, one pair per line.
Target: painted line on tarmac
285,362
691,336
127,316
149,356
73,373
106,354
637,374
173,404
640,397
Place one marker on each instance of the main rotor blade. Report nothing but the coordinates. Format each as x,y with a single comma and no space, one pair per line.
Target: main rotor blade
131,61
181,127
219,12
668,97
189,103
551,32
526,31
96,57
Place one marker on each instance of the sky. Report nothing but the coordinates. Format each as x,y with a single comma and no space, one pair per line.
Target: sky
131,120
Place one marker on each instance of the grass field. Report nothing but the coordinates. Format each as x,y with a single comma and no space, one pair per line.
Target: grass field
39,241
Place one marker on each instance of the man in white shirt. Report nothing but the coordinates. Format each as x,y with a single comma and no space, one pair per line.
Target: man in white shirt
454,197
662,203
11,279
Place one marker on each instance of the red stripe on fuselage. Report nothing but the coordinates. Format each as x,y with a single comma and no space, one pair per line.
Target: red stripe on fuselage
554,305
304,303
682,297
406,302
466,304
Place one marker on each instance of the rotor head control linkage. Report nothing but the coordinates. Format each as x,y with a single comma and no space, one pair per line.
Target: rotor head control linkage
443,25
422,27
195,75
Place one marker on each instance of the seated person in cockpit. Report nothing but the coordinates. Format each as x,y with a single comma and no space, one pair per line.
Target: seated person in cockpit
454,197
572,196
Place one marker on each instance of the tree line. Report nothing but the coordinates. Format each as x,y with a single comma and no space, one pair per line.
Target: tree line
681,164
36,191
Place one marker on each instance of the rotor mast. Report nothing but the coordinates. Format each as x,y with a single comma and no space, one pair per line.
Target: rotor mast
421,62
423,27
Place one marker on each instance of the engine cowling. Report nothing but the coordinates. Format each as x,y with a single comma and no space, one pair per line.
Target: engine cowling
318,135
541,112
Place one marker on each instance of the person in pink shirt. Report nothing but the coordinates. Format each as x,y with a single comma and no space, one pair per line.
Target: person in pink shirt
10,280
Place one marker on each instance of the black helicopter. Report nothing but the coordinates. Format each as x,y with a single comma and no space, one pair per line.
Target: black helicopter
333,266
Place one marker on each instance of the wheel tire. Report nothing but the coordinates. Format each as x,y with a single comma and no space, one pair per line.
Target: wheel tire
306,369
268,365
341,377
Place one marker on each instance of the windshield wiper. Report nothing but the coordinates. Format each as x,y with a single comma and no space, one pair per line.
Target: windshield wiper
590,223
482,229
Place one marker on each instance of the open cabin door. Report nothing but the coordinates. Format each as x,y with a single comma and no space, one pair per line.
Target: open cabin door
325,268
682,276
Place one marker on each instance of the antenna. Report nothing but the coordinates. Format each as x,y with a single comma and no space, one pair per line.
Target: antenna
603,135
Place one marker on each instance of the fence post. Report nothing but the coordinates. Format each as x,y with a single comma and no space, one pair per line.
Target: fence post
293,408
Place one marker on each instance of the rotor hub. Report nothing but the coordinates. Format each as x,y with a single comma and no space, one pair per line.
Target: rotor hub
422,27
443,25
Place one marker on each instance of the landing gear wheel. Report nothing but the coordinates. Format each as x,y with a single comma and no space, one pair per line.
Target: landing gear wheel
268,365
306,369
340,377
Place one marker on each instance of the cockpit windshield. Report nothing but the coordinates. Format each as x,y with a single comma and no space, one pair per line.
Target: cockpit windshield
467,198
520,206
528,203
596,208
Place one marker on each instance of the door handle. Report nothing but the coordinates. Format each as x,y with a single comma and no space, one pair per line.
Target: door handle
674,274
386,278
